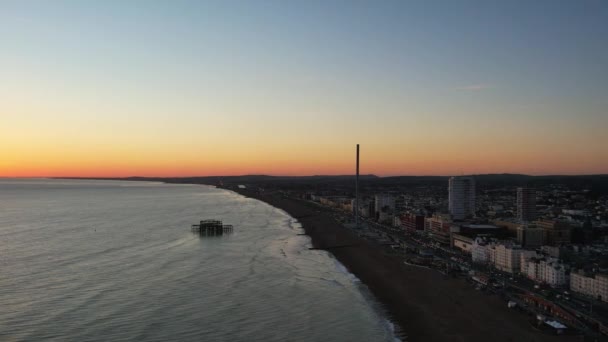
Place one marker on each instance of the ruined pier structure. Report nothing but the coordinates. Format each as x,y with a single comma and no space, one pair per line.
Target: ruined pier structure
211,227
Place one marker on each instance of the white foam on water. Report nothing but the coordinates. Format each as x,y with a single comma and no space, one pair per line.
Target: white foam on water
389,325
345,271
391,328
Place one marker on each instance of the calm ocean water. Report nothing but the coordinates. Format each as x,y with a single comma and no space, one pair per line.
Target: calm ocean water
116,261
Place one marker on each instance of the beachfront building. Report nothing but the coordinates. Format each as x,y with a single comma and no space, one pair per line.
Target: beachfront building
543,269
508,258
338,202
462,242
412,222
529,268
526,204
438,226
482,251
594,285
553,272
461,199
464,234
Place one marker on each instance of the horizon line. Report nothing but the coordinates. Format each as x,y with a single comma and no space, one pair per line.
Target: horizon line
303,176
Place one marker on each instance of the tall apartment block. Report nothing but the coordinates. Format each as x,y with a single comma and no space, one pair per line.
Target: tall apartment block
462,197
526,204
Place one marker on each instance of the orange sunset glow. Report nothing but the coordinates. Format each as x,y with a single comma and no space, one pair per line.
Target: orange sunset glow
83,95
335,170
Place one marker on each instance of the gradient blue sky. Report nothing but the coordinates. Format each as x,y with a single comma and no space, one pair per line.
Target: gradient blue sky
427,87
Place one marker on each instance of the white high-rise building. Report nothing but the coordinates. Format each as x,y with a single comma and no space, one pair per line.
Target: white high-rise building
462,197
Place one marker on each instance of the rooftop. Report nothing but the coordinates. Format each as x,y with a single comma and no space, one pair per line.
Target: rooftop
480,226
555,324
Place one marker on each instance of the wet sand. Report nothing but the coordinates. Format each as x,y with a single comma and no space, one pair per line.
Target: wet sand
426,305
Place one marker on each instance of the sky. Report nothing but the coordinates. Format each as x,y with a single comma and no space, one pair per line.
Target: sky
186,88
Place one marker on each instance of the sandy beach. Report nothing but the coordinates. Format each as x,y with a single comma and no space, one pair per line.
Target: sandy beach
426,305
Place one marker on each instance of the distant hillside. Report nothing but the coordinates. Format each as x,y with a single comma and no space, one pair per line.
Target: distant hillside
306,182
598,184
595,183
255,179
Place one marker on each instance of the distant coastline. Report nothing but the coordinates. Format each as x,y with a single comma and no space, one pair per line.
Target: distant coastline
425,305
597,183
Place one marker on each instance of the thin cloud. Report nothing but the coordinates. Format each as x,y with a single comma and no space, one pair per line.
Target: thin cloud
475,87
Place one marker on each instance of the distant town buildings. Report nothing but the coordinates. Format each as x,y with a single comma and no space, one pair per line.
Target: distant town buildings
551,251
541,234
529,235
384,207
384,201
511,226
412,222
556,232
526,204
475,229
461,199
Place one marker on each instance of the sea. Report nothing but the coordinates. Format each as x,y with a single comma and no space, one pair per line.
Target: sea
97,260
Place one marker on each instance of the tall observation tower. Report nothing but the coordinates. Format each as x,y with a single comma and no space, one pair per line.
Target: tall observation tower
357,191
